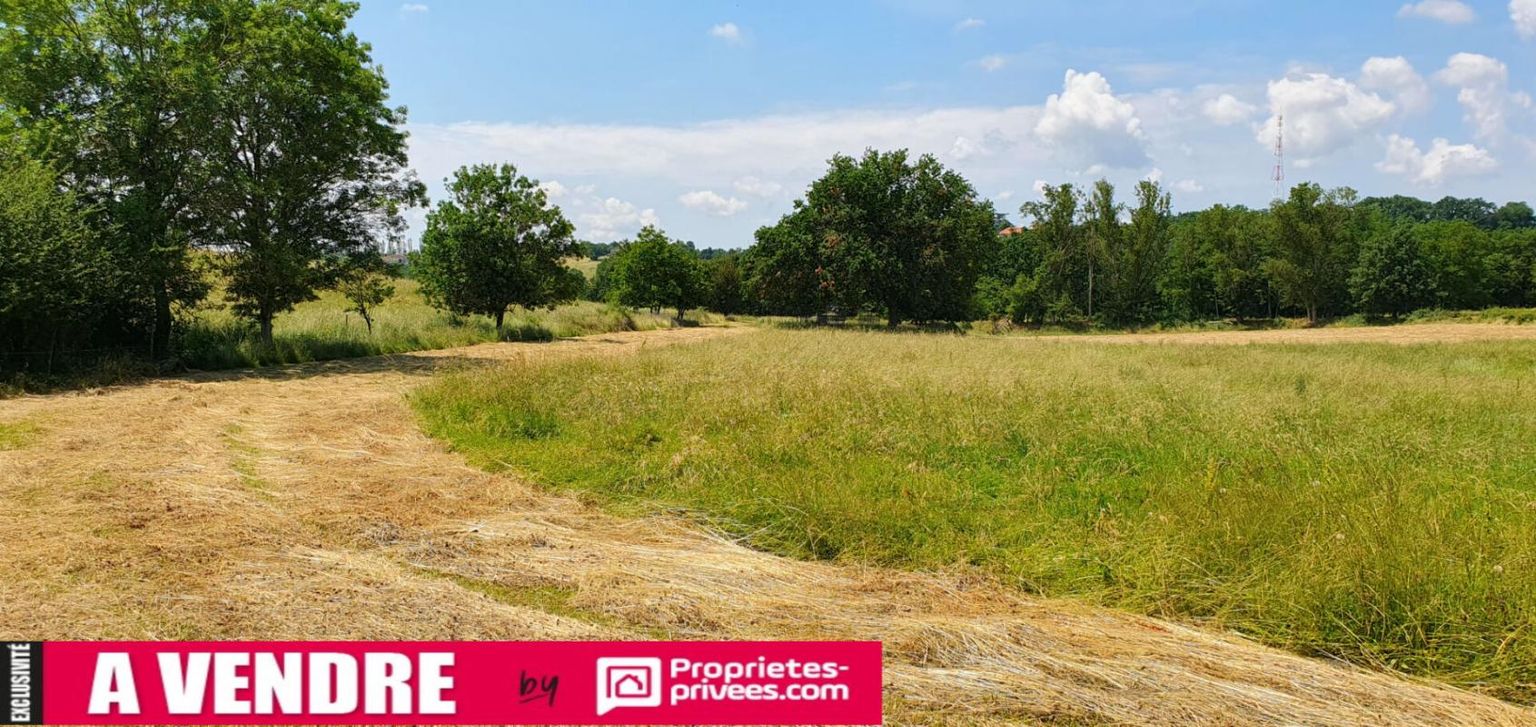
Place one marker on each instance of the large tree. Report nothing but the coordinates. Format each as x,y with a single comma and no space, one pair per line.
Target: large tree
1059,287
908,239
1137,263
496,242
1315,239
1390,276
118,95
308,166
654,271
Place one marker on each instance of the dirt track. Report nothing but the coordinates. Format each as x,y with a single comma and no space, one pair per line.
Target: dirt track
303,503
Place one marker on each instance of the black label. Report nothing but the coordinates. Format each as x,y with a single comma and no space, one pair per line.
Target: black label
23,672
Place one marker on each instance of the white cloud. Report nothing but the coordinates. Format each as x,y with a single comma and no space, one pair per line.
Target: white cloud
614,218
1443,161
1156,175
1226,109
963,149
757,187
728,32
554,190
1323,114
1188,185
1039,186
1523,13
1091,124
413,9
1004,195
969,24
1453,12
709,202
1484,93
992,63
1397,76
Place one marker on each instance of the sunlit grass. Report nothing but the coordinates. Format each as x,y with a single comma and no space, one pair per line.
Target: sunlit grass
1371,502
325,329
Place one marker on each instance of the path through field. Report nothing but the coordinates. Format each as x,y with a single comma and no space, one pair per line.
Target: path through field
304,503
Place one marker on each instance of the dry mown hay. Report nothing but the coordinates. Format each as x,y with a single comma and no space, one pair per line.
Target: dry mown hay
303,503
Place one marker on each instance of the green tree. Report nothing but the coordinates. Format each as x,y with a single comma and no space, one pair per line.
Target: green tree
1059,285
1101,235
496,242
908,239
1136,263
727,294
1390,277
1456,254
309,172
1314,244
53,274
118,94
655,272
786,269
365,289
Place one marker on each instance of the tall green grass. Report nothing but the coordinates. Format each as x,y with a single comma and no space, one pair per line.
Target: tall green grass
1370,502
325,329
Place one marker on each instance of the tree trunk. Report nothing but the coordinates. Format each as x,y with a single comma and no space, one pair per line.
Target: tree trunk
680,315
367,320
501,315
266,328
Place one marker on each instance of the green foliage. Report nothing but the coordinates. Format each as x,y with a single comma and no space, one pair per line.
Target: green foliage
653,271
1314,244
495,244
1270,489
365,290
1390,277
1061,281
727,290
907,240
309,169
55,279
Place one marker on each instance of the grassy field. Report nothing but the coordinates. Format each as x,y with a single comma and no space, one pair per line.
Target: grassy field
1367,501
324,329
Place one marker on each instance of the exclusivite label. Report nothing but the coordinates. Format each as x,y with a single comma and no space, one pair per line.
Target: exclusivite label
356,682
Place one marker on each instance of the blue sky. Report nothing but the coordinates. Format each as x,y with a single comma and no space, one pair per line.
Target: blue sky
709,118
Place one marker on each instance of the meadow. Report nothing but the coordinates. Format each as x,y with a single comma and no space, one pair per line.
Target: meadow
1369,502
325,329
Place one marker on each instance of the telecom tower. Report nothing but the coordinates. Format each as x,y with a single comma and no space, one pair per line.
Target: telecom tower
1279,174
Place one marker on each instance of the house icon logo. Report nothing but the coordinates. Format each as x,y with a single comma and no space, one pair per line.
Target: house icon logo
629,681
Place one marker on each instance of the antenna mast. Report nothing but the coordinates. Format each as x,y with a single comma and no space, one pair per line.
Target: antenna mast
1279,174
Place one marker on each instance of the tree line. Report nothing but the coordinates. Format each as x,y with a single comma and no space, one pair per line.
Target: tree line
145,143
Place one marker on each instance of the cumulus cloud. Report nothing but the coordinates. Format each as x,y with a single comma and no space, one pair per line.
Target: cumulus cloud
1396,76
1323,114
1188,185
413,9
1443,161
969,24
728,32
1453,12
709,202
992,63
554,190
1092,125
1484,92
1523,13
1226,109
757,187
614,218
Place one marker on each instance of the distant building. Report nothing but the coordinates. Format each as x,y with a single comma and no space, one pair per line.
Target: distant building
1010,231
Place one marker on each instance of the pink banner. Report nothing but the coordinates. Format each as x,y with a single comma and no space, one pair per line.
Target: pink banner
453,683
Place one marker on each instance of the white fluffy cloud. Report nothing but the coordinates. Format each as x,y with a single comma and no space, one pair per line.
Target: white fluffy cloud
1188,185
728,32
992,63
1323,114
1523,13
1484,92
1454,12
707,201
1443,161
414,9
1226,109
969,24
1396,76
614,218
1092,125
